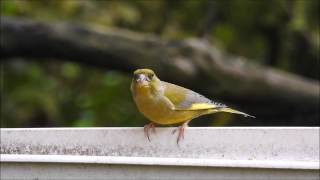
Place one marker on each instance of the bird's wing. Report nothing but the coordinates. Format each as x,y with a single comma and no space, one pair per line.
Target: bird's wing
185,99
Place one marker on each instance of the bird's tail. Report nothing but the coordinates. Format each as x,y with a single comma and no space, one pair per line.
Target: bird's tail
229,110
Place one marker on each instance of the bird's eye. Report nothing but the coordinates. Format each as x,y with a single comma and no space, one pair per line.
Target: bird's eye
150,76
135,76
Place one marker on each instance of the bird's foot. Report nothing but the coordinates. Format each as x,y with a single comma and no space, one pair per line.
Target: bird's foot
147,128
181,131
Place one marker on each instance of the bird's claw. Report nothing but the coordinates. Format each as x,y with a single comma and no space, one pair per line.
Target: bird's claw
180,134
146,129
181,131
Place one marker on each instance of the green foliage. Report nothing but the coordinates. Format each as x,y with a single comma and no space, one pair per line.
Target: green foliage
66,94
279,33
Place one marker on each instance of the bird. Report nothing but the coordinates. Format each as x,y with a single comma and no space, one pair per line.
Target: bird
165,103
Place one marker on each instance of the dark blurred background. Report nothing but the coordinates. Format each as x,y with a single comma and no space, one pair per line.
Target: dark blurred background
38,90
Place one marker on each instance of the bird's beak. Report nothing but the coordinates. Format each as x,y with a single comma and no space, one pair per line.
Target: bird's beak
140,78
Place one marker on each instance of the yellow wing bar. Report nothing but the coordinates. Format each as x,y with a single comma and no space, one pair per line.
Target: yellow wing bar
198,106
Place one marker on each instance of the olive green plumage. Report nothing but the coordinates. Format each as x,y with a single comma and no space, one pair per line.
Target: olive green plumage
165,103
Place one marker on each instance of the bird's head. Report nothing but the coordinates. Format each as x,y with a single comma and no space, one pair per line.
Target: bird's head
144,78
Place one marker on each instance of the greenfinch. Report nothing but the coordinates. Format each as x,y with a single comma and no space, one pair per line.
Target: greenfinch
165,103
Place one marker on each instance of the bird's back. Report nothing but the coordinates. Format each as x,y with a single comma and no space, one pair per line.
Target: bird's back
186,99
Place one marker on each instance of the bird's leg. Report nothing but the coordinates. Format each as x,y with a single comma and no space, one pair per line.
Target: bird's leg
181,131
146,129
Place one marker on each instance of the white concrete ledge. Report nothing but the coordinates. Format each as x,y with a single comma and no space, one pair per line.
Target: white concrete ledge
205,153
159,161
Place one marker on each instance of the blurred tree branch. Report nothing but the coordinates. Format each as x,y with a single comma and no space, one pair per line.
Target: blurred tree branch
192,63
